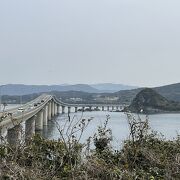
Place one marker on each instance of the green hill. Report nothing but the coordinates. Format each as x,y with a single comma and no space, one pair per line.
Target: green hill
170,92
149,101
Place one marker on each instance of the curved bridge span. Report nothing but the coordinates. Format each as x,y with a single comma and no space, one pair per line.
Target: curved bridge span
36,114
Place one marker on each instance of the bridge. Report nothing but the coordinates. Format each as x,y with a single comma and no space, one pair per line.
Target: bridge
37,113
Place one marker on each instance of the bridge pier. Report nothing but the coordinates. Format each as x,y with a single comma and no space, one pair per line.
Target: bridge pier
30,128
58,109
52,109
69,110
13,135
45,115
112,108
107,108
39,121
57,112
63,109
90,108
55,109
102,108
54,113
76,109
97,108
49,111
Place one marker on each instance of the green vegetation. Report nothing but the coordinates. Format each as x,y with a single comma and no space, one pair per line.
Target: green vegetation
145,155
149,101
170,92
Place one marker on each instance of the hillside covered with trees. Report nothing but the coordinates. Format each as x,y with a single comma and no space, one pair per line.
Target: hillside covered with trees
149,101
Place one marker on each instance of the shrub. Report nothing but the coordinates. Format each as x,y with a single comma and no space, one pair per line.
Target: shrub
145,155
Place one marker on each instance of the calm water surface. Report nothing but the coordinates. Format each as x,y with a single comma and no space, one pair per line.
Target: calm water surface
167,124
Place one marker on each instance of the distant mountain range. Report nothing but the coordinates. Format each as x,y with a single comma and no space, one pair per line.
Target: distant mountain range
21,89
111,88
90,93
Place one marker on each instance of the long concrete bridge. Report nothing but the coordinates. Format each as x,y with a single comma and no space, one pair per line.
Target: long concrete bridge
36,114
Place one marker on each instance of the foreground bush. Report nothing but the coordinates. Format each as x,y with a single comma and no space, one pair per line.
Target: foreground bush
145,155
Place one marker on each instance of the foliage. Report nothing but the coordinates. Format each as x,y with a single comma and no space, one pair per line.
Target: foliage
149,101
103,138
145,155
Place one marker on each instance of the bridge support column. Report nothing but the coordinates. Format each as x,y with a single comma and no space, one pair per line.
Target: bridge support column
39,121
90,108
45,116
69,110
113,108
76,109
55,109
108,108
30,128
49,111
52,108
58,108
83,109
56,112
63,109
117,107
102,108
13,135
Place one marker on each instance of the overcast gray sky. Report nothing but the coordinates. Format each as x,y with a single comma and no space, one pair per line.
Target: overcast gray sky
134,42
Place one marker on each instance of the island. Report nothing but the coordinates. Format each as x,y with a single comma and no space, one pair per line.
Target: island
148,101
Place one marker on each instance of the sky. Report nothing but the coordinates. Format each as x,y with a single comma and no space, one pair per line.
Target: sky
134,42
